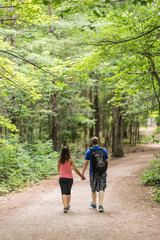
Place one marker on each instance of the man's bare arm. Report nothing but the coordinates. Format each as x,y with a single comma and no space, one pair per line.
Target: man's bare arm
84,167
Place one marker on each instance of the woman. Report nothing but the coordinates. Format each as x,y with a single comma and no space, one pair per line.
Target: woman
65,162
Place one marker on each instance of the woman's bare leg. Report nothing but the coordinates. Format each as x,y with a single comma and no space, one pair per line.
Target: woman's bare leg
64,200
68,200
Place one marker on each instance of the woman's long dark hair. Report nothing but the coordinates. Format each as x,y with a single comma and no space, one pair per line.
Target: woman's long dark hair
65,155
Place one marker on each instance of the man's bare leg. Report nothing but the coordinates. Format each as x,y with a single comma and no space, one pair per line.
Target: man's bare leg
94,197
101,197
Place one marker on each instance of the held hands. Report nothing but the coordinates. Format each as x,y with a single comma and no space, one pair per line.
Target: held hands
83,178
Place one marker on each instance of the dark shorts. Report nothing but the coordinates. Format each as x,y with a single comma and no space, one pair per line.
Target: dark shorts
98,182
66,185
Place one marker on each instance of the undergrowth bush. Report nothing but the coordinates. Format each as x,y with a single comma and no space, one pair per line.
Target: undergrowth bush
151,177
23,163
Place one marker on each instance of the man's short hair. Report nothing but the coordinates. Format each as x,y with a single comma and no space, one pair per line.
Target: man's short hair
95,140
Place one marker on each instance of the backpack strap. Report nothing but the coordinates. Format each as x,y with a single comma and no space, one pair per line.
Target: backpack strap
92,150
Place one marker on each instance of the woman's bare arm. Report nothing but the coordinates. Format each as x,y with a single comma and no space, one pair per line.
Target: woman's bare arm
75,169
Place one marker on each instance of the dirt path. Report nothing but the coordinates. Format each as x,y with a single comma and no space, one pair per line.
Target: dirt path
36,214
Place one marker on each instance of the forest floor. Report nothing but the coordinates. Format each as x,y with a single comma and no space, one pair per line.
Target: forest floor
130,212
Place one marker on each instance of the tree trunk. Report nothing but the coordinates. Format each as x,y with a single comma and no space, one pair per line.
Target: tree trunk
157,95
51,28
12,40
113,138
96,107
13,116
118,133
12,24
130,134
23,131
125,133
138,136
107,140
137,131
85,137
134,134
103,125
91,128
54,122
30,133
153,67
1,131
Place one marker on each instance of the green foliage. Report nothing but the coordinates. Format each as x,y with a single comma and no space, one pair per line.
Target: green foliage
26,13
7,123
142,2
157,195
21,164
12,79
64,49
151,177
77,153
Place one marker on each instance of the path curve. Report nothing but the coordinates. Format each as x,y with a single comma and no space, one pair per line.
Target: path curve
130,213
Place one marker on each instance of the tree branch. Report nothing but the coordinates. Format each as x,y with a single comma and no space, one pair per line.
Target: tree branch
104,43
155,90
154,72
143,73
17,55
10,80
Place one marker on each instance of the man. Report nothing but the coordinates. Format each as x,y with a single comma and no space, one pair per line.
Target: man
97,180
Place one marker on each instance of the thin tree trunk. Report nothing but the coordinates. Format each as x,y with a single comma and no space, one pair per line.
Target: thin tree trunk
135,140
51,29
85,137
12,24
134,134
103,127
138,137
125,133
113,138
24,129
54,122
1,131
30,133
91,128
130,134
157,96
13,116
154,72
96,107
118,132
157,77
40,127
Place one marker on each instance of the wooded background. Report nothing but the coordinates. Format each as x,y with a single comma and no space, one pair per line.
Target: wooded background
70,70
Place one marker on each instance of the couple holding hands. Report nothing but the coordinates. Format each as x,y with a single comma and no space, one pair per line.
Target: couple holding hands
99,161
